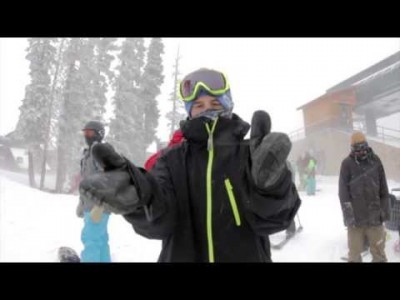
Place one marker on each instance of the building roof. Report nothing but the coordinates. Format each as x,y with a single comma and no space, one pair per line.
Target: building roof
375,71
381,66
327,96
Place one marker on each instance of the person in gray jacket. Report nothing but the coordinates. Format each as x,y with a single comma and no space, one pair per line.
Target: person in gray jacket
94,233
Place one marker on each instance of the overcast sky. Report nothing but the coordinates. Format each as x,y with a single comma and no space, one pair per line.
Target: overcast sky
274,74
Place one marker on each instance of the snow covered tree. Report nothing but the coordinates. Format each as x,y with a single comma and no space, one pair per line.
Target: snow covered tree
87,76
95,68
151,88
34,112
177,113
52,103
126,128
104,75
34,109
73,113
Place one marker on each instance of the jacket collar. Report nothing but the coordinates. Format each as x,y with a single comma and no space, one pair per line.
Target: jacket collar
226,131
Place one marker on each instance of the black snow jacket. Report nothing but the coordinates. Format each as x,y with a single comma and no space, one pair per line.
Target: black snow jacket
201,200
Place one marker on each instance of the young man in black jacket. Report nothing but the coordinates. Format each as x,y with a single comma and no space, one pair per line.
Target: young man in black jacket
213,198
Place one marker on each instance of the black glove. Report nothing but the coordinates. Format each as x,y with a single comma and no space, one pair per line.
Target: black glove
112,188
269,151
107,157
348,214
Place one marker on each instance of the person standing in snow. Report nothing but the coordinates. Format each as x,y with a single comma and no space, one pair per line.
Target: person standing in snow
94,234
364,199
215,196
301,164
310,172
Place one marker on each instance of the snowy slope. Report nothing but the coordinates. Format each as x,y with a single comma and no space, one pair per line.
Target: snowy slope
33,224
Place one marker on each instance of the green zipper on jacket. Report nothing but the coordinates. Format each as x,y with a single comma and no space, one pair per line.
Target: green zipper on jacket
210,148
232,200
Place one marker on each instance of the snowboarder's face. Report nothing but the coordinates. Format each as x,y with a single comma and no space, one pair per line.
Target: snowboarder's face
205,103
90,136
88,133
360,150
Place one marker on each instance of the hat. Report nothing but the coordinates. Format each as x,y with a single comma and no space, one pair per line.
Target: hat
97,126
357,137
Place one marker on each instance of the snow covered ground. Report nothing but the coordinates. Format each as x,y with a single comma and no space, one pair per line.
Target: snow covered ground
324,237
33,224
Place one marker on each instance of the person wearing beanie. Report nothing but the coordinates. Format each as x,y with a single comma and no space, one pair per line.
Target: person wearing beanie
357,138
214,196
364,199
94,234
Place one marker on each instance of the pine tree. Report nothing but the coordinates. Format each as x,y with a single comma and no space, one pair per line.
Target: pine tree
126,128
34,109
89,76
53,100
34,113
177,113
73,112
151,88
104,76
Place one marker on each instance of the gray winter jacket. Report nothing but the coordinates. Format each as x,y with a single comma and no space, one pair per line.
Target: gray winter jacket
88,167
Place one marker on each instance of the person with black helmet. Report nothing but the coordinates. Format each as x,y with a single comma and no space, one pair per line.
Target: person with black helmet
94,234
214,197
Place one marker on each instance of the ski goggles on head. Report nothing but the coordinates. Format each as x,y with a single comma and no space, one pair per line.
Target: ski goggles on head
360,147
211,81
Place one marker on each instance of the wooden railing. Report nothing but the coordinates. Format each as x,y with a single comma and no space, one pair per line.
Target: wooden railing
384,134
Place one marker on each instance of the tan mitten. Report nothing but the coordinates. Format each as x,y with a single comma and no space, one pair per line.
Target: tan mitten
96,213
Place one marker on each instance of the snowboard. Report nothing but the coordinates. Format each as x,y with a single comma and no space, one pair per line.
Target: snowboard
67,255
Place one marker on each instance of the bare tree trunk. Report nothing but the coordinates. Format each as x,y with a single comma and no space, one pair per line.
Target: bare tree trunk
47,138
61,170
31,169
61,155
173,121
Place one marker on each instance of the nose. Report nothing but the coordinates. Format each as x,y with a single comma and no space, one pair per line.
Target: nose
208,105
